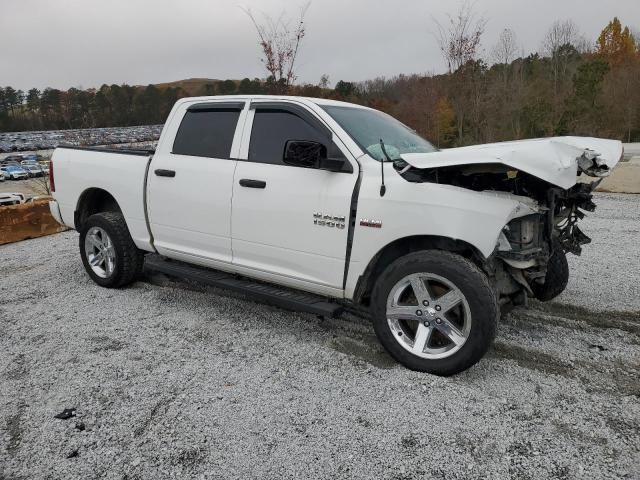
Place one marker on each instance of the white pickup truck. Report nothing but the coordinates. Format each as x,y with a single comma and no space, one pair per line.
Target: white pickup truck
322,205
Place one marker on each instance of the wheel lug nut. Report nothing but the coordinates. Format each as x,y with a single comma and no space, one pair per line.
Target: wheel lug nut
426,324
418,312
438,320
425,303
438,307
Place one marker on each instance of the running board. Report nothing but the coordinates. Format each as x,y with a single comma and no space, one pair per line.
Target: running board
261,292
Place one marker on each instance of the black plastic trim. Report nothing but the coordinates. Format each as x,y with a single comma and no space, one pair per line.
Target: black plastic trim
246,182
353,211
145,203
262,292
212,106
123,151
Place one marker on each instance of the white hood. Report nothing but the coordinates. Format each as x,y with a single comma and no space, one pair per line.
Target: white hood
557,160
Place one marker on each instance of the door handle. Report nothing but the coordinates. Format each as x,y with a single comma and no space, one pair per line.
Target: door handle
161,172
245,182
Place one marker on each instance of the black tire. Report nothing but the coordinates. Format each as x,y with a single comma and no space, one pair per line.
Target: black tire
128,258
557,277
475,287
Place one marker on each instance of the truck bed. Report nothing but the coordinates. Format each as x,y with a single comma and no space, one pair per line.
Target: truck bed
119,172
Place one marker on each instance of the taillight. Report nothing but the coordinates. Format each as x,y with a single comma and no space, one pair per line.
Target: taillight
52,182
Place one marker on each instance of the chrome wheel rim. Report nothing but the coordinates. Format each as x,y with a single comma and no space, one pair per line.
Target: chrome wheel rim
428,316
100,252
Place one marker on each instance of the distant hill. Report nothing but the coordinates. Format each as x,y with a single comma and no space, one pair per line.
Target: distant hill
192,86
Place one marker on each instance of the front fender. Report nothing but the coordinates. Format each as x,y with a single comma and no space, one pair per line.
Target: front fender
427,209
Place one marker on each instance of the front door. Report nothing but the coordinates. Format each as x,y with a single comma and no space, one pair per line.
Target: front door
290,224
189,185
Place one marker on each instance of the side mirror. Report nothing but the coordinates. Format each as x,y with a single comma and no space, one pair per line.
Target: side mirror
310,154
304,153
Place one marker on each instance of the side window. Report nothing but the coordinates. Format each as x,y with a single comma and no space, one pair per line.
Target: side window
207,132
271,130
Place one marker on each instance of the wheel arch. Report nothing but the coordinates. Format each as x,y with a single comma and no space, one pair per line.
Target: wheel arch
93,200
402,246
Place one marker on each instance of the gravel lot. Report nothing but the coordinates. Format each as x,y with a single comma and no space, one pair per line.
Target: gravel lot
171,380
30,187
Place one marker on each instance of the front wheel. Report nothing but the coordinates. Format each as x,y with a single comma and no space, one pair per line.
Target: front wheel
108,253
434,312
556,278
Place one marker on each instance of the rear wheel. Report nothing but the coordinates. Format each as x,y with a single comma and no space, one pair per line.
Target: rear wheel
108,253
434,312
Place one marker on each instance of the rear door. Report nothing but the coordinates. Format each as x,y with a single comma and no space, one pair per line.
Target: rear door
189,184
290,224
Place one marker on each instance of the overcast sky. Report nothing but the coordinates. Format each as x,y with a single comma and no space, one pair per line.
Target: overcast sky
85,43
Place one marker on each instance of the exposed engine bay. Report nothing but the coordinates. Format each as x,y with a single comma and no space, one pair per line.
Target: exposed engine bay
526,243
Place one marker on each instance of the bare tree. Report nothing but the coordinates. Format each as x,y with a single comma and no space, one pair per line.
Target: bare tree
40,185
459,38
560,34
506,50
325,81
280,43
562,38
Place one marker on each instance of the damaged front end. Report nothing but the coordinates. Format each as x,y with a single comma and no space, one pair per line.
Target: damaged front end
545,226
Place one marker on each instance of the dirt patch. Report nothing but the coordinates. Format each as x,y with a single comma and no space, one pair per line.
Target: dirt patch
14,429
29,220
161,405
531,359
107,344
18,370
623,320
363,351
625,178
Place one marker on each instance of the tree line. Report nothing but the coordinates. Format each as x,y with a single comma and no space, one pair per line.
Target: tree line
570,87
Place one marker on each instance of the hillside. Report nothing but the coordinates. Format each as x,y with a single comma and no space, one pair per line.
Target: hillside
192,86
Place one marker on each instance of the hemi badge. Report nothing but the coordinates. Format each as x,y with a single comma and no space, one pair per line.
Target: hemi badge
364,222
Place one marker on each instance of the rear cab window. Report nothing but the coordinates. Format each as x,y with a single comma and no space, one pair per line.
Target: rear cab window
207,130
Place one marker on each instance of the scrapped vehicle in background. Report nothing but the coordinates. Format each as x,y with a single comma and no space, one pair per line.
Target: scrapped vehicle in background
15,172
265,194
33,169
11,199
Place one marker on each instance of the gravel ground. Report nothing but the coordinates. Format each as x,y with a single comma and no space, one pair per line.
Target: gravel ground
171,380
30,187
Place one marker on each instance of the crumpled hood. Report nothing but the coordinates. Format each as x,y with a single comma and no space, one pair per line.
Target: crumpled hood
557,160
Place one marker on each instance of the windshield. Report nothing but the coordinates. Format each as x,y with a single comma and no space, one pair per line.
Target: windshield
367,127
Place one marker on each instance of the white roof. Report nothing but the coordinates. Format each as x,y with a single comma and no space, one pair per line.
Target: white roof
275,98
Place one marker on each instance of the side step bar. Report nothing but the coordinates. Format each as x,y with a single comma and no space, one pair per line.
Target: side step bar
281,297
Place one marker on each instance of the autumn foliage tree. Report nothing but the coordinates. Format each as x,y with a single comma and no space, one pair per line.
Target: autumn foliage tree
445,123
615,44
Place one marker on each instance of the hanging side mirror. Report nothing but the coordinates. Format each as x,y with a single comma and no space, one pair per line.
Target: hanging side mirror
304,153
310,154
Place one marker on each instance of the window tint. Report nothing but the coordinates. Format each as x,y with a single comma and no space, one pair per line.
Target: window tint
271,130
207,133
